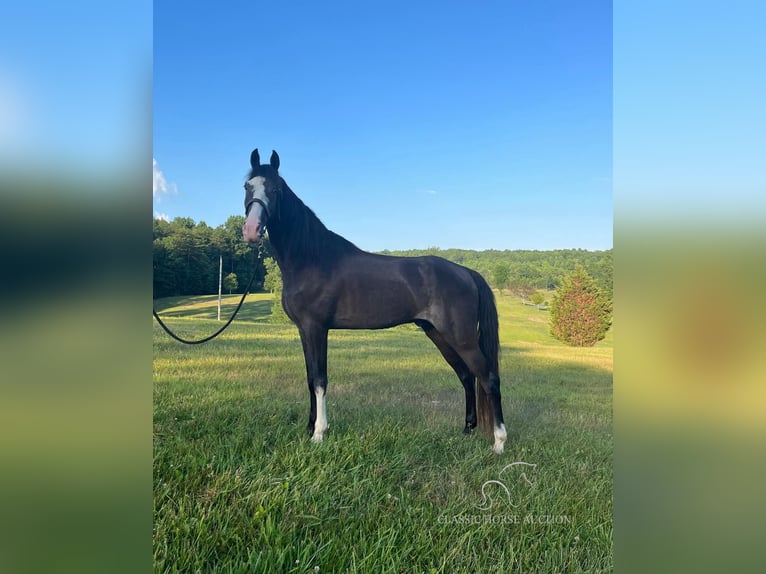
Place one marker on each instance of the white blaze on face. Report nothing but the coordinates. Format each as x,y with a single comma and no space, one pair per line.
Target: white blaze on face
252,230
320,425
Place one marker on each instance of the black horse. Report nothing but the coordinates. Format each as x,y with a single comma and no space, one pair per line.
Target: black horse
329,283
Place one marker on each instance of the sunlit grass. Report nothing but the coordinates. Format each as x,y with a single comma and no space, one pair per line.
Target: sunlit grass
395,486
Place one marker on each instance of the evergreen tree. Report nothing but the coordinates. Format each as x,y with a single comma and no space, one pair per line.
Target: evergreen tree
581,313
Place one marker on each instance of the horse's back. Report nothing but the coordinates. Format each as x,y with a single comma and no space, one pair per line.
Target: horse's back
423,275
377,291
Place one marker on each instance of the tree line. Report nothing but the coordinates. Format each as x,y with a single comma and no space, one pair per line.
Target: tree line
186,257
525,271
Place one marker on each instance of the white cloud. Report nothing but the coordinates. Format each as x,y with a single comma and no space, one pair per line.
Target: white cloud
429,191
162,216
160,186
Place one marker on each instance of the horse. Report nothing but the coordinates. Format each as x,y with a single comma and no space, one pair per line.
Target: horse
329,283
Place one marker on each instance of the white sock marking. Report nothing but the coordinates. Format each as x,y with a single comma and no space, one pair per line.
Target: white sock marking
500,436
320,425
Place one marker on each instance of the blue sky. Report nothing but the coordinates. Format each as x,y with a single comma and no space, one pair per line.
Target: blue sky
689,113
503,110
75,85
401,124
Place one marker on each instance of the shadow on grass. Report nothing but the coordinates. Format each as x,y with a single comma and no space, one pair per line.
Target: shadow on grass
256,311
401,379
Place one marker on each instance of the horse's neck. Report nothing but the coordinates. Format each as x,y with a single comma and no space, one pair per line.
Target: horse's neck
300,240
291,245
279,248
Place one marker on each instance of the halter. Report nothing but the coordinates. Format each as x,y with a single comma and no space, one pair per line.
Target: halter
263,204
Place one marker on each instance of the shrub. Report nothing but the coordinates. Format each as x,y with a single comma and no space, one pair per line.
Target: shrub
536,298
581,313
230,282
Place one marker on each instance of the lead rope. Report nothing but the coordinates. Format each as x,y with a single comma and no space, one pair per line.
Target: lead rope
258,257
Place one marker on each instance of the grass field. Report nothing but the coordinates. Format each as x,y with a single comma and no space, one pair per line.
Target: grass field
395,486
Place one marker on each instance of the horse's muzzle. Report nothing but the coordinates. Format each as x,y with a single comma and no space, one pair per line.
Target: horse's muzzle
255,223
252,232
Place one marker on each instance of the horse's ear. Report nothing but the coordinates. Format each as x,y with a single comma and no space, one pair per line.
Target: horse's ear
274,161
255,159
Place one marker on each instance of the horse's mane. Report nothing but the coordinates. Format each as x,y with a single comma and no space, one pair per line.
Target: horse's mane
301,237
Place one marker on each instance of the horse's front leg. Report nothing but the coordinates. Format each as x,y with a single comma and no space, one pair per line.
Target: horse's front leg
314,341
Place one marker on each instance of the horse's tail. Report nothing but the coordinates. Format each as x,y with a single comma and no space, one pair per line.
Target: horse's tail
489,344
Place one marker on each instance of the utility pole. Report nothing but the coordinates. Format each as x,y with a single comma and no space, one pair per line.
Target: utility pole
220,276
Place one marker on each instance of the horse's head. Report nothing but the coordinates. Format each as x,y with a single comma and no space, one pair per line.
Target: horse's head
262,190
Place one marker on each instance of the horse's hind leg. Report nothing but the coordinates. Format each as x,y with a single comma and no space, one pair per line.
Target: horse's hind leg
489,400
465,375
489,408
492,389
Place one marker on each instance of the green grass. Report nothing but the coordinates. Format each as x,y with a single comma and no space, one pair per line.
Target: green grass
395,486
